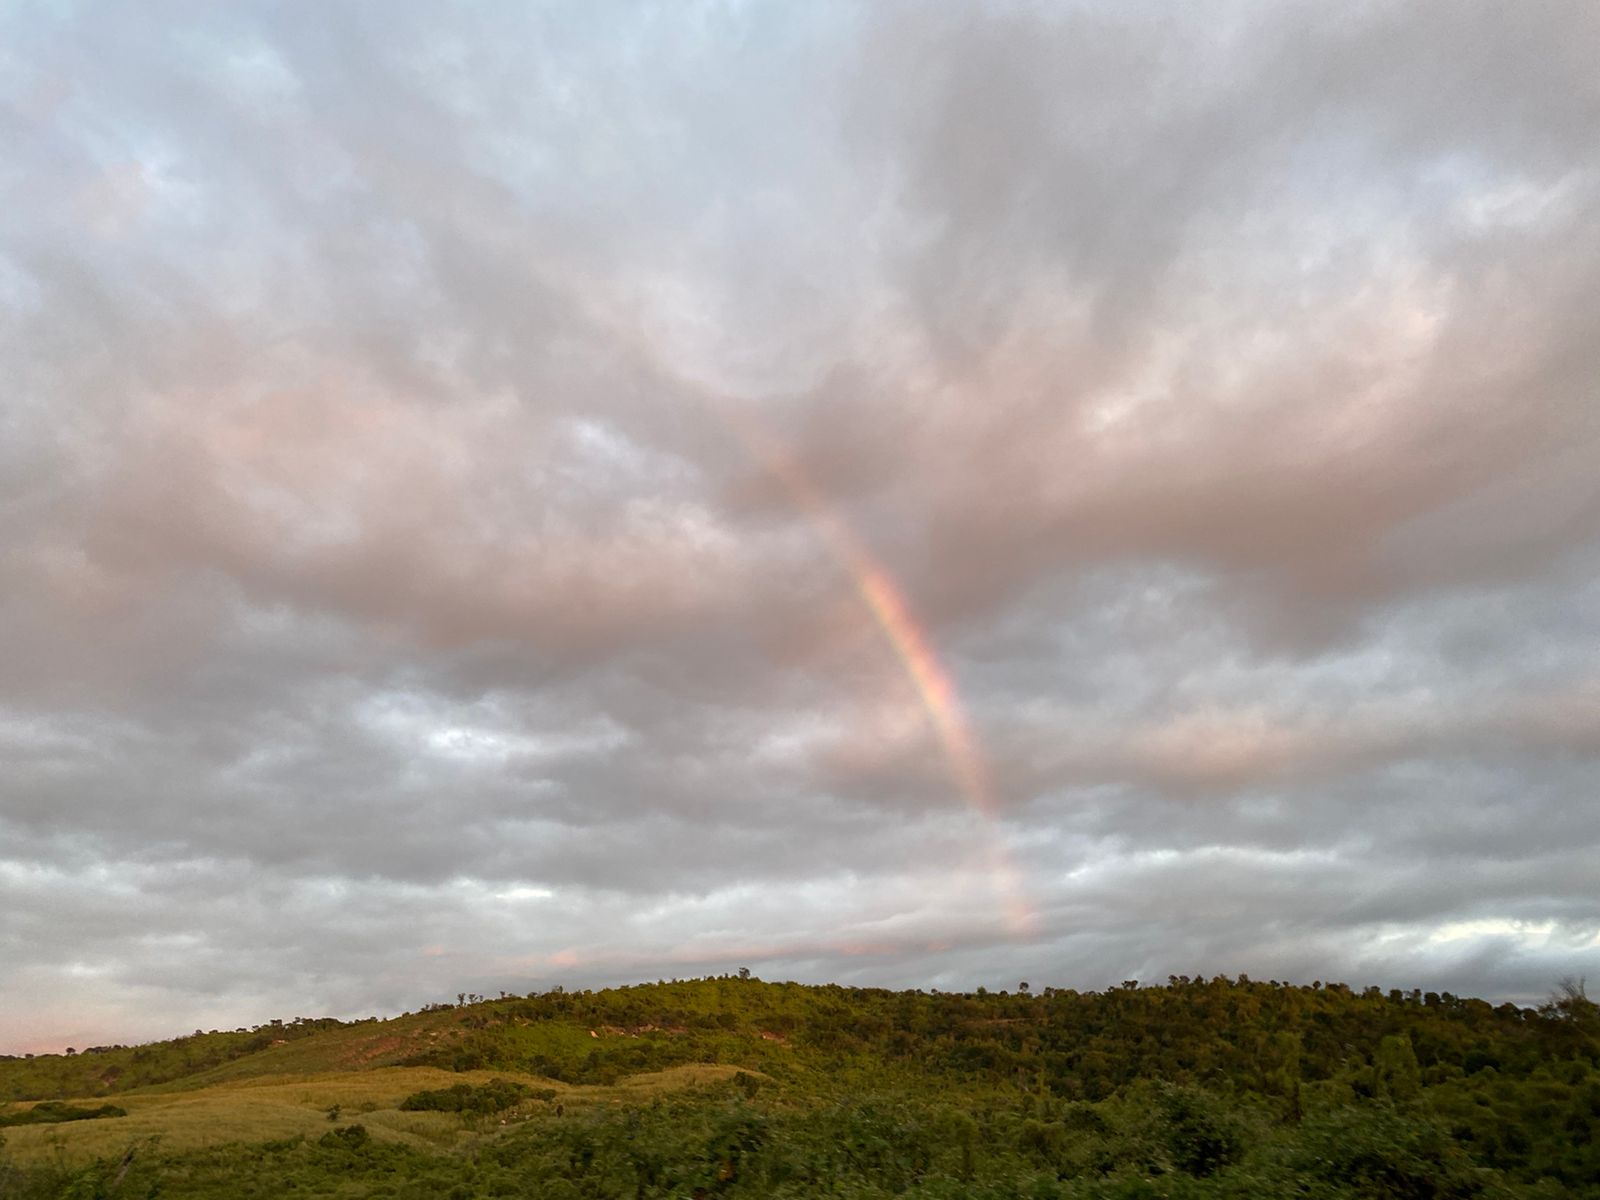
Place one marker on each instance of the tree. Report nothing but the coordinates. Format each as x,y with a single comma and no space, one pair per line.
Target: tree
1286,1077
1570,1001
1395,1073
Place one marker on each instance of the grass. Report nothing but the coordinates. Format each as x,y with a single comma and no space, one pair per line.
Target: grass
354,1047
1218,1087
279,1107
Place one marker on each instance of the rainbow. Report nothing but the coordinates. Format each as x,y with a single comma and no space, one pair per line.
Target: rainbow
906,635
890,610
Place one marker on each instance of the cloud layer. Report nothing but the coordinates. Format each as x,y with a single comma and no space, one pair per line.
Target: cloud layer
429,434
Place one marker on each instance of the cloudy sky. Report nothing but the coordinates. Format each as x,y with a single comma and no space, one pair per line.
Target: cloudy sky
924,494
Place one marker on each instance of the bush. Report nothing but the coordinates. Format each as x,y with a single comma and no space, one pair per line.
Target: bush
495,1096
50,1112
351,1137
1381,1152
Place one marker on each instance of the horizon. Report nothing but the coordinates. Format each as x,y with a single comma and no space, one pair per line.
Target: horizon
917,492
1021,987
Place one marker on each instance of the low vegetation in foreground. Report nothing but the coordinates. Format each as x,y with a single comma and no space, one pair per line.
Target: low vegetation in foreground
732,1087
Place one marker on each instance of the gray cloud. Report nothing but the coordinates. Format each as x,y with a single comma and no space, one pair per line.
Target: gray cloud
443,454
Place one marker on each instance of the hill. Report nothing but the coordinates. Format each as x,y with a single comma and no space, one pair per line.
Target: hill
736,1087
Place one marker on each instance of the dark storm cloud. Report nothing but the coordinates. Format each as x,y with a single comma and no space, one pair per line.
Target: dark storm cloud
426,436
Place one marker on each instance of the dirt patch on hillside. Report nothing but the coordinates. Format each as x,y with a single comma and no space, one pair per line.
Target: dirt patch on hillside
365,1053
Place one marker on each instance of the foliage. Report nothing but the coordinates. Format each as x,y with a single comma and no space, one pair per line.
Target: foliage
51,1112
1200,1088
492,1097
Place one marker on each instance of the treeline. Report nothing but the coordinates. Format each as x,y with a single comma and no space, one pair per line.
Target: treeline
105,1069
1266,1037
1259,1036
1198,1087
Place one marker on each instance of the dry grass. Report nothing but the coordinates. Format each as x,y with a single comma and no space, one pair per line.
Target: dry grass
275,1107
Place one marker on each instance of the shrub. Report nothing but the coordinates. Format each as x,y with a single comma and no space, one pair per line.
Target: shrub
492,1097
52,1111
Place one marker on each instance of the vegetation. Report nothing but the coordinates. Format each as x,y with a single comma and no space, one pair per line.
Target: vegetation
52,1112
492,1097
732,1087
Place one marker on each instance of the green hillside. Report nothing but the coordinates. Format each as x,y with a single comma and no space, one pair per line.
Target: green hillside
737,1087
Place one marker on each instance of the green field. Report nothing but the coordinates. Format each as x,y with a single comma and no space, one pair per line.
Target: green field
735,1087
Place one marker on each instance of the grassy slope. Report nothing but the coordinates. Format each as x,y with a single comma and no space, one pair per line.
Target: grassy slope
1033,1081
277,1107
280,1082
205,1059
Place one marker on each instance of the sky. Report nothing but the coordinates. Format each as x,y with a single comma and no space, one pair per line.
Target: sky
914,494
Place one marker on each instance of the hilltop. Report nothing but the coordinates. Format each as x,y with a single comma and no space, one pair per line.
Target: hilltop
737,1086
